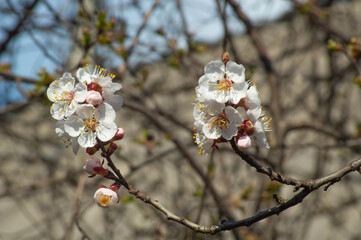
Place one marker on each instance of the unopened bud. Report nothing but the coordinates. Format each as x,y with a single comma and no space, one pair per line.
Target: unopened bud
106,197
225,58
119,135
94,98
93,86
112,147
247,127
243,141
92,150
94,166
333,45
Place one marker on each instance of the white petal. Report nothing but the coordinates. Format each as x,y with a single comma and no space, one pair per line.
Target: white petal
80,92
86,111
238,69
115,100
221,96
210,131
75,145
214,67
87,139
106,112
198,112
58,110
203,80
213,107
73,126
260,135
83,76
59,129
106,130
233,116
252,98
229,131
103,81
254,114
113,87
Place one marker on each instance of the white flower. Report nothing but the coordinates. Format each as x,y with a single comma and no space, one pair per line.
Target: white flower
258,117
204,144
66,96
106,197
67,139
91,123
218,120
99,81
222,83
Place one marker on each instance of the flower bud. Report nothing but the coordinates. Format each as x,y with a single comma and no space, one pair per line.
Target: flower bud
93,166
243,141
92,150
94,98
119,135
247,127
112,147
106,197
225,58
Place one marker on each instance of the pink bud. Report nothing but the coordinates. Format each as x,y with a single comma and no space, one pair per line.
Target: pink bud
225,58
243,141
94,98
119,135
90,164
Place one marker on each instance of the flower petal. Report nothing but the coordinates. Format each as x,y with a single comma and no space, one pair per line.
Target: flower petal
106,130
87,139
233,116
260,135
252,98
73,126
238,69
211,131
115,100
83,76
229,131
214,67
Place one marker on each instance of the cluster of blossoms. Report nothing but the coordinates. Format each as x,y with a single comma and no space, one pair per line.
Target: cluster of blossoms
228,106
85,109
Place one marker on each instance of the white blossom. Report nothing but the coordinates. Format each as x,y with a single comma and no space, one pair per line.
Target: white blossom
222,83
99,81
217,120
90,123
106,197
66,96
258,117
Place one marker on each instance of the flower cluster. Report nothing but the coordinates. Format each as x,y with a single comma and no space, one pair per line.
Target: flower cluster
85,109
227,106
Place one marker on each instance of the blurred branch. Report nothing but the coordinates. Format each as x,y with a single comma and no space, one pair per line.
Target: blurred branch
142,26
12,33
12,77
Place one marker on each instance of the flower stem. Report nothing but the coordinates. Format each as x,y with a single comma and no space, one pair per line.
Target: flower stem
112,166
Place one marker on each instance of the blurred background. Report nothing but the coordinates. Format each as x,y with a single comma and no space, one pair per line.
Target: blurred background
304,57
